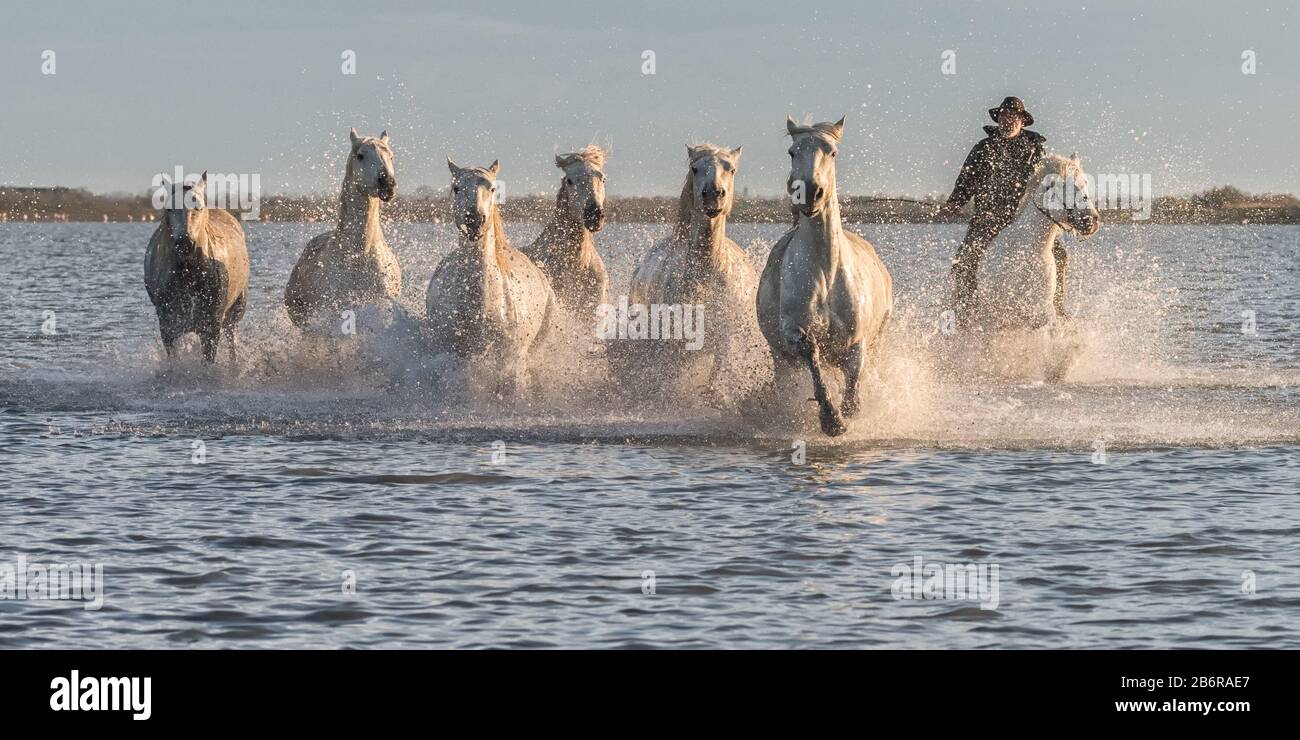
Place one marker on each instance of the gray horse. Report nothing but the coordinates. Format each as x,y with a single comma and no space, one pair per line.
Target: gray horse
196,270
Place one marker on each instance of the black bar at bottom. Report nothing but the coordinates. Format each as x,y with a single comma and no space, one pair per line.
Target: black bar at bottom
970,689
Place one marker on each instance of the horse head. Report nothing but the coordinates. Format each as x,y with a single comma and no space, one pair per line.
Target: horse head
812,164
187,206
473,197
370,166
582,194
1063,195
713,172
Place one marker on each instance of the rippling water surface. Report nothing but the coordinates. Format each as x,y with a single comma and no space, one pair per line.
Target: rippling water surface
345,498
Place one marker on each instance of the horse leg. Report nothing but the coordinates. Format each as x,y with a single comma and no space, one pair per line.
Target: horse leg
866,354
512,374
715,395
852,367
232,345
1062,259
169,337
784,374
832,422
520,381
209,338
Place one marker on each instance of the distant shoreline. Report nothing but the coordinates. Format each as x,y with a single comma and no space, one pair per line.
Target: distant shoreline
1225,205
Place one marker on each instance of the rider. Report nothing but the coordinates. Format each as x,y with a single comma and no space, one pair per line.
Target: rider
995,175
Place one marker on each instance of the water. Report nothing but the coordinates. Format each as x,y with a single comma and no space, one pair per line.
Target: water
1149,500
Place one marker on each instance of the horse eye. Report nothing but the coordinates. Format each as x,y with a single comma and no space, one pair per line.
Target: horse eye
695,170
455,188
360,156
833,154
569,180
791,152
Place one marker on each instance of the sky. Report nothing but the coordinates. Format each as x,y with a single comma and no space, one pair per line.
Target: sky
259,88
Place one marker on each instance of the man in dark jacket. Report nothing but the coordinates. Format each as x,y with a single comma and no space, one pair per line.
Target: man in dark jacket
995,175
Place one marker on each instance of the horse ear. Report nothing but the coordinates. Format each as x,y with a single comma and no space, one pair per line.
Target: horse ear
735,153
452,166
839,125
790,125
1074,157
495,168
384,136
353,136
559,161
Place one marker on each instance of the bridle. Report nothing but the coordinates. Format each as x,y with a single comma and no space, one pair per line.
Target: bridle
1069,213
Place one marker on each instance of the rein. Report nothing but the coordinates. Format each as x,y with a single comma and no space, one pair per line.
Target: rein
901,200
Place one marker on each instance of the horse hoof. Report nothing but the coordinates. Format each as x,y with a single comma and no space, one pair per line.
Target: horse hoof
850,409
832,424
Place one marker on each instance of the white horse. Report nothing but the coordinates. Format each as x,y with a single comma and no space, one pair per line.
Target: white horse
485,297
696,269
351,265
1017,276
825,297
566,250
196,270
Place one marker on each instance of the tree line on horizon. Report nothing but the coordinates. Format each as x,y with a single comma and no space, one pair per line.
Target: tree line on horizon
1220,205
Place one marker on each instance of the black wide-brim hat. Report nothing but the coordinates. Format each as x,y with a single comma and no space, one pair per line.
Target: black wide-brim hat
1015,105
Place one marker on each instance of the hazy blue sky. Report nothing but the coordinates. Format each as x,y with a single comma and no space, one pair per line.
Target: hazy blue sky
256,87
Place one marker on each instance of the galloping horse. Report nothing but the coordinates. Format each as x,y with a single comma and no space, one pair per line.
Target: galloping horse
824,298
196,270
1017,277
351,265
485,297
699,267
565,250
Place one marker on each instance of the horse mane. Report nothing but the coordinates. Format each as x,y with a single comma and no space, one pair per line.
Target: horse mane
590,154
503,247
686,202
1051,163
1060,162
826,128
